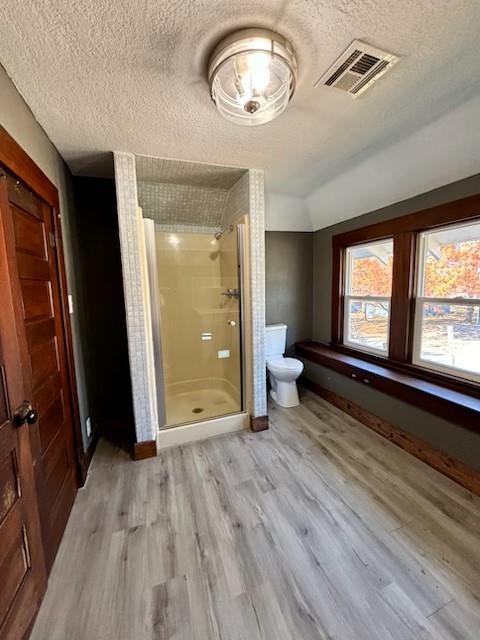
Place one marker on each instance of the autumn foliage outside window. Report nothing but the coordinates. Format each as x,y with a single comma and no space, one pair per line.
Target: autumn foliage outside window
406,292
445,305
368,288
447,314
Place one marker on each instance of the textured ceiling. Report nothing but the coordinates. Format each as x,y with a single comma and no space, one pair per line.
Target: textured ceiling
130,76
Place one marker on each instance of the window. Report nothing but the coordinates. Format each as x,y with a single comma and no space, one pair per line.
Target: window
368,288
408,290
447,310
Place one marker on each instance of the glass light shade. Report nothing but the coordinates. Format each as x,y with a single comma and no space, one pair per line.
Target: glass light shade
252,76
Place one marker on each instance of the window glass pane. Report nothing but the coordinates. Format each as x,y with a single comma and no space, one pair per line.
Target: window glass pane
369,269
452,262
451,336
367,323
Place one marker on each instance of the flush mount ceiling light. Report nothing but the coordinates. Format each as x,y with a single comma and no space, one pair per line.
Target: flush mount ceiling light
252,76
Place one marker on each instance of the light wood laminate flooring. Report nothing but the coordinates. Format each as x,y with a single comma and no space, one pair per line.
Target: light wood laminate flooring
316,529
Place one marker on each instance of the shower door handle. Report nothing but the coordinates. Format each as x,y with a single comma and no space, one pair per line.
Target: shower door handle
231,293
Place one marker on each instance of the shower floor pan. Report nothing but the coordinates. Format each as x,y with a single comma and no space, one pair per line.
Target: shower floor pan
200,404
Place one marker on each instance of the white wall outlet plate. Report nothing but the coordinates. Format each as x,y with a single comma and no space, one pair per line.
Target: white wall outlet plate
224,353
88,426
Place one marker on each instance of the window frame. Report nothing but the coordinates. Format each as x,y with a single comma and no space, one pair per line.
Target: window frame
405,231
370,298
421,299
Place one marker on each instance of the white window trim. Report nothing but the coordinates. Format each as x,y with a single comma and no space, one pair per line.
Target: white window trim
420,300
417,360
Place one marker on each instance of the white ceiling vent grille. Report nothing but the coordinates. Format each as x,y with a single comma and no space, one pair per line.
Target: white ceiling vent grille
358,68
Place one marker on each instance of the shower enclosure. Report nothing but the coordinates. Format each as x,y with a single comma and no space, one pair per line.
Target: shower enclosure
193,221
192,244
199,312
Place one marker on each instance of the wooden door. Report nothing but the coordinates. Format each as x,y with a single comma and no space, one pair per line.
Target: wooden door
43,343
22,568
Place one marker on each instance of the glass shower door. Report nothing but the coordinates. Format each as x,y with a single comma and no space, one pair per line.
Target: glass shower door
230,247
199,301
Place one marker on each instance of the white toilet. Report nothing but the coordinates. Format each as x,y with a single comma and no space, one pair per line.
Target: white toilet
283,372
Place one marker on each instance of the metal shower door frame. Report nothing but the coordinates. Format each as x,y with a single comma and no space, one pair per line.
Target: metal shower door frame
241,285
151,254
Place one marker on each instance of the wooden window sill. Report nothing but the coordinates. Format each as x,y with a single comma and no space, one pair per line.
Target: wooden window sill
455,406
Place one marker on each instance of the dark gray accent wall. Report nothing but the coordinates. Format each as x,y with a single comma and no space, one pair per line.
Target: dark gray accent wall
101,308
447,437
289,282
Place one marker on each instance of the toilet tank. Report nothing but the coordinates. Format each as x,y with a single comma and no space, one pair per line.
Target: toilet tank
275,339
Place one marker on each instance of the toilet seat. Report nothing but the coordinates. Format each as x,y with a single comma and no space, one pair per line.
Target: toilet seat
279,363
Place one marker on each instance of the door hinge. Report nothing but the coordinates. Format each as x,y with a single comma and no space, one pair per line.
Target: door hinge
51,237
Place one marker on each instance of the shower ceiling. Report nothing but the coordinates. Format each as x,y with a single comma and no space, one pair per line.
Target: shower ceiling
169,204
193,174
172,192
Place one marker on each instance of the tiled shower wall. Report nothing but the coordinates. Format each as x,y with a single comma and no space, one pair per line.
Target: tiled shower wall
257,284
127,200
240,200
237,203
181,204
197,174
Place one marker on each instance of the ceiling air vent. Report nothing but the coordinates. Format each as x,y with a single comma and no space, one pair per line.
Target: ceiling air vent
357,68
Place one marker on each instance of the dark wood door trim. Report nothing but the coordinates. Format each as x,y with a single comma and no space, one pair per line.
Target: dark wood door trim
18,162
67,329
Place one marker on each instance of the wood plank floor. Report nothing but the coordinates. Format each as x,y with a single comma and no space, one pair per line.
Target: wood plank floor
315,529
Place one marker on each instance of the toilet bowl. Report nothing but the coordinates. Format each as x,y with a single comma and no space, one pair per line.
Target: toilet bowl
282,372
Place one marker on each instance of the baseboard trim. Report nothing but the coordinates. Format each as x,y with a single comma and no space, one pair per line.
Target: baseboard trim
86,459
144,450
451,467
260,423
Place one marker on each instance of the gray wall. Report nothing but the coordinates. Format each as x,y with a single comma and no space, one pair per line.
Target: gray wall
102,309
289,281
450,438
18,120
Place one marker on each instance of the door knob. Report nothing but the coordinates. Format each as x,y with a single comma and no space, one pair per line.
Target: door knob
25,413
232,323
